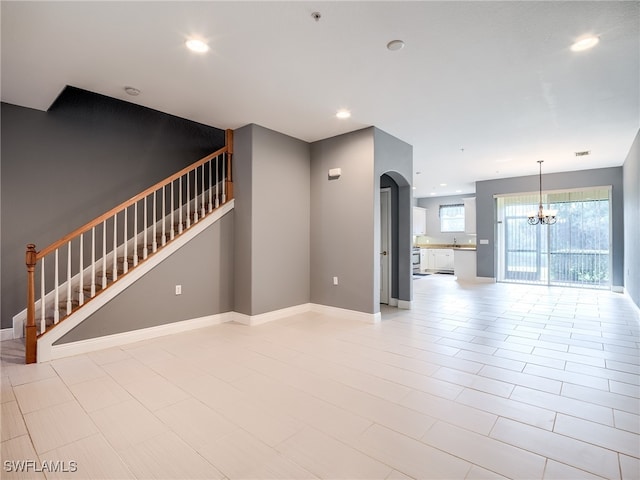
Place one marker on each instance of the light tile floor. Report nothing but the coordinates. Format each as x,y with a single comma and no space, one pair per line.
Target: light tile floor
476,381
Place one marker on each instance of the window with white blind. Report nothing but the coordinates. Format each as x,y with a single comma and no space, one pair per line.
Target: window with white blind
452,218
573,252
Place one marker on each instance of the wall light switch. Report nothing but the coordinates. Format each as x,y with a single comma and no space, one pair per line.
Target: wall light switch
178,289
484,242
335,172
335,280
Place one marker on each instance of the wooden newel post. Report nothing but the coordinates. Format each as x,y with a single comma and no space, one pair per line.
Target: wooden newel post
31,332
229,179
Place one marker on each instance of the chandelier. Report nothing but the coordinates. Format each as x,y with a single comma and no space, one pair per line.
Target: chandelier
542,216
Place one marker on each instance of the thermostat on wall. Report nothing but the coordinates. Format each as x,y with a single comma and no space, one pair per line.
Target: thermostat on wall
335,172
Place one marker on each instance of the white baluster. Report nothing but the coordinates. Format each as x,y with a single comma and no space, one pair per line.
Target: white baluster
180,207
125,262
164,217
173,207
155,217
145,250
104,254
115,247
135,234
56,292
217,185
224,193
43,320
188,203
81,286
195,195
210,188
69,293
93,262
202,210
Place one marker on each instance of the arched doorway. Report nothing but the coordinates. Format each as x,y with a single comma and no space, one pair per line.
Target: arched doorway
395,240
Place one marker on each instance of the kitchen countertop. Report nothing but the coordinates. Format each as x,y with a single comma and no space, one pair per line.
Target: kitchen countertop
451,246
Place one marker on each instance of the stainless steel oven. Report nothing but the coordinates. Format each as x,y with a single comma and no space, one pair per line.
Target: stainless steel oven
415,260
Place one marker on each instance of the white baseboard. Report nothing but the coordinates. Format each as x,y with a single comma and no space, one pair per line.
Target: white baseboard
251,320
617,289
6,334
401,304
637,307
118,339
18,328
405,304
347,314
47,351
485,280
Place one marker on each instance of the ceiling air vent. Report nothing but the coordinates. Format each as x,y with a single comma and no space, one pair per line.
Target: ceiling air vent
583,153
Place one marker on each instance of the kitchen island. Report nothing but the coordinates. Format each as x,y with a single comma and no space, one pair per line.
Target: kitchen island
464,264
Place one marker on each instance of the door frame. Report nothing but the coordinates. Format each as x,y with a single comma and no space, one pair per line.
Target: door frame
386,261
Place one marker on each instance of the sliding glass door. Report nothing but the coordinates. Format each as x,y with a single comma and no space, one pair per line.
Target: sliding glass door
573,252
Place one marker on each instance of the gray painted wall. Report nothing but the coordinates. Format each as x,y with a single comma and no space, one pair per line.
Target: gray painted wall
485,210
631,174
62,168
342,222
394,158
273,208
204,268
242,191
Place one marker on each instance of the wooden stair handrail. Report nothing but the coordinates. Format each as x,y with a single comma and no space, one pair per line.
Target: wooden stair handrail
32,256
127,203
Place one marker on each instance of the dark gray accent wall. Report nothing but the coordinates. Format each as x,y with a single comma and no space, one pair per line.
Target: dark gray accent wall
273,208
486,219
631,175
393,158
62,168
204,269
342,222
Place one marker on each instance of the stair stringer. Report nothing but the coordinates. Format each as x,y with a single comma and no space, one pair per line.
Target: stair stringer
46,341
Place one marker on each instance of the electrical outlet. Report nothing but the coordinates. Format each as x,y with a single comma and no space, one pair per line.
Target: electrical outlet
178,289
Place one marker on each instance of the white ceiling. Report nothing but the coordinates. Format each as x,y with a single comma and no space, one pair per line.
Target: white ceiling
481,90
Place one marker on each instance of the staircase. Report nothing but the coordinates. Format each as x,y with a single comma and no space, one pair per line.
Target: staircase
68,274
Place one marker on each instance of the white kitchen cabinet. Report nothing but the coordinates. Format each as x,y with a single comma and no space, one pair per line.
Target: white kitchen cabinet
444,260
419,221
469,215
436,259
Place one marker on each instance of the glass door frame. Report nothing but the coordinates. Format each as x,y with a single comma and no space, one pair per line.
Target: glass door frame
501,231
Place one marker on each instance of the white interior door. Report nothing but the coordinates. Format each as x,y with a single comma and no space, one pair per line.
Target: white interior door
385,245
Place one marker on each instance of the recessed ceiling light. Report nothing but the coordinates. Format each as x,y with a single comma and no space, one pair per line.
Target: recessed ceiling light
197,46
395,45
443,184
343,113
415,188
432,193
132,91
458,191
585,44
